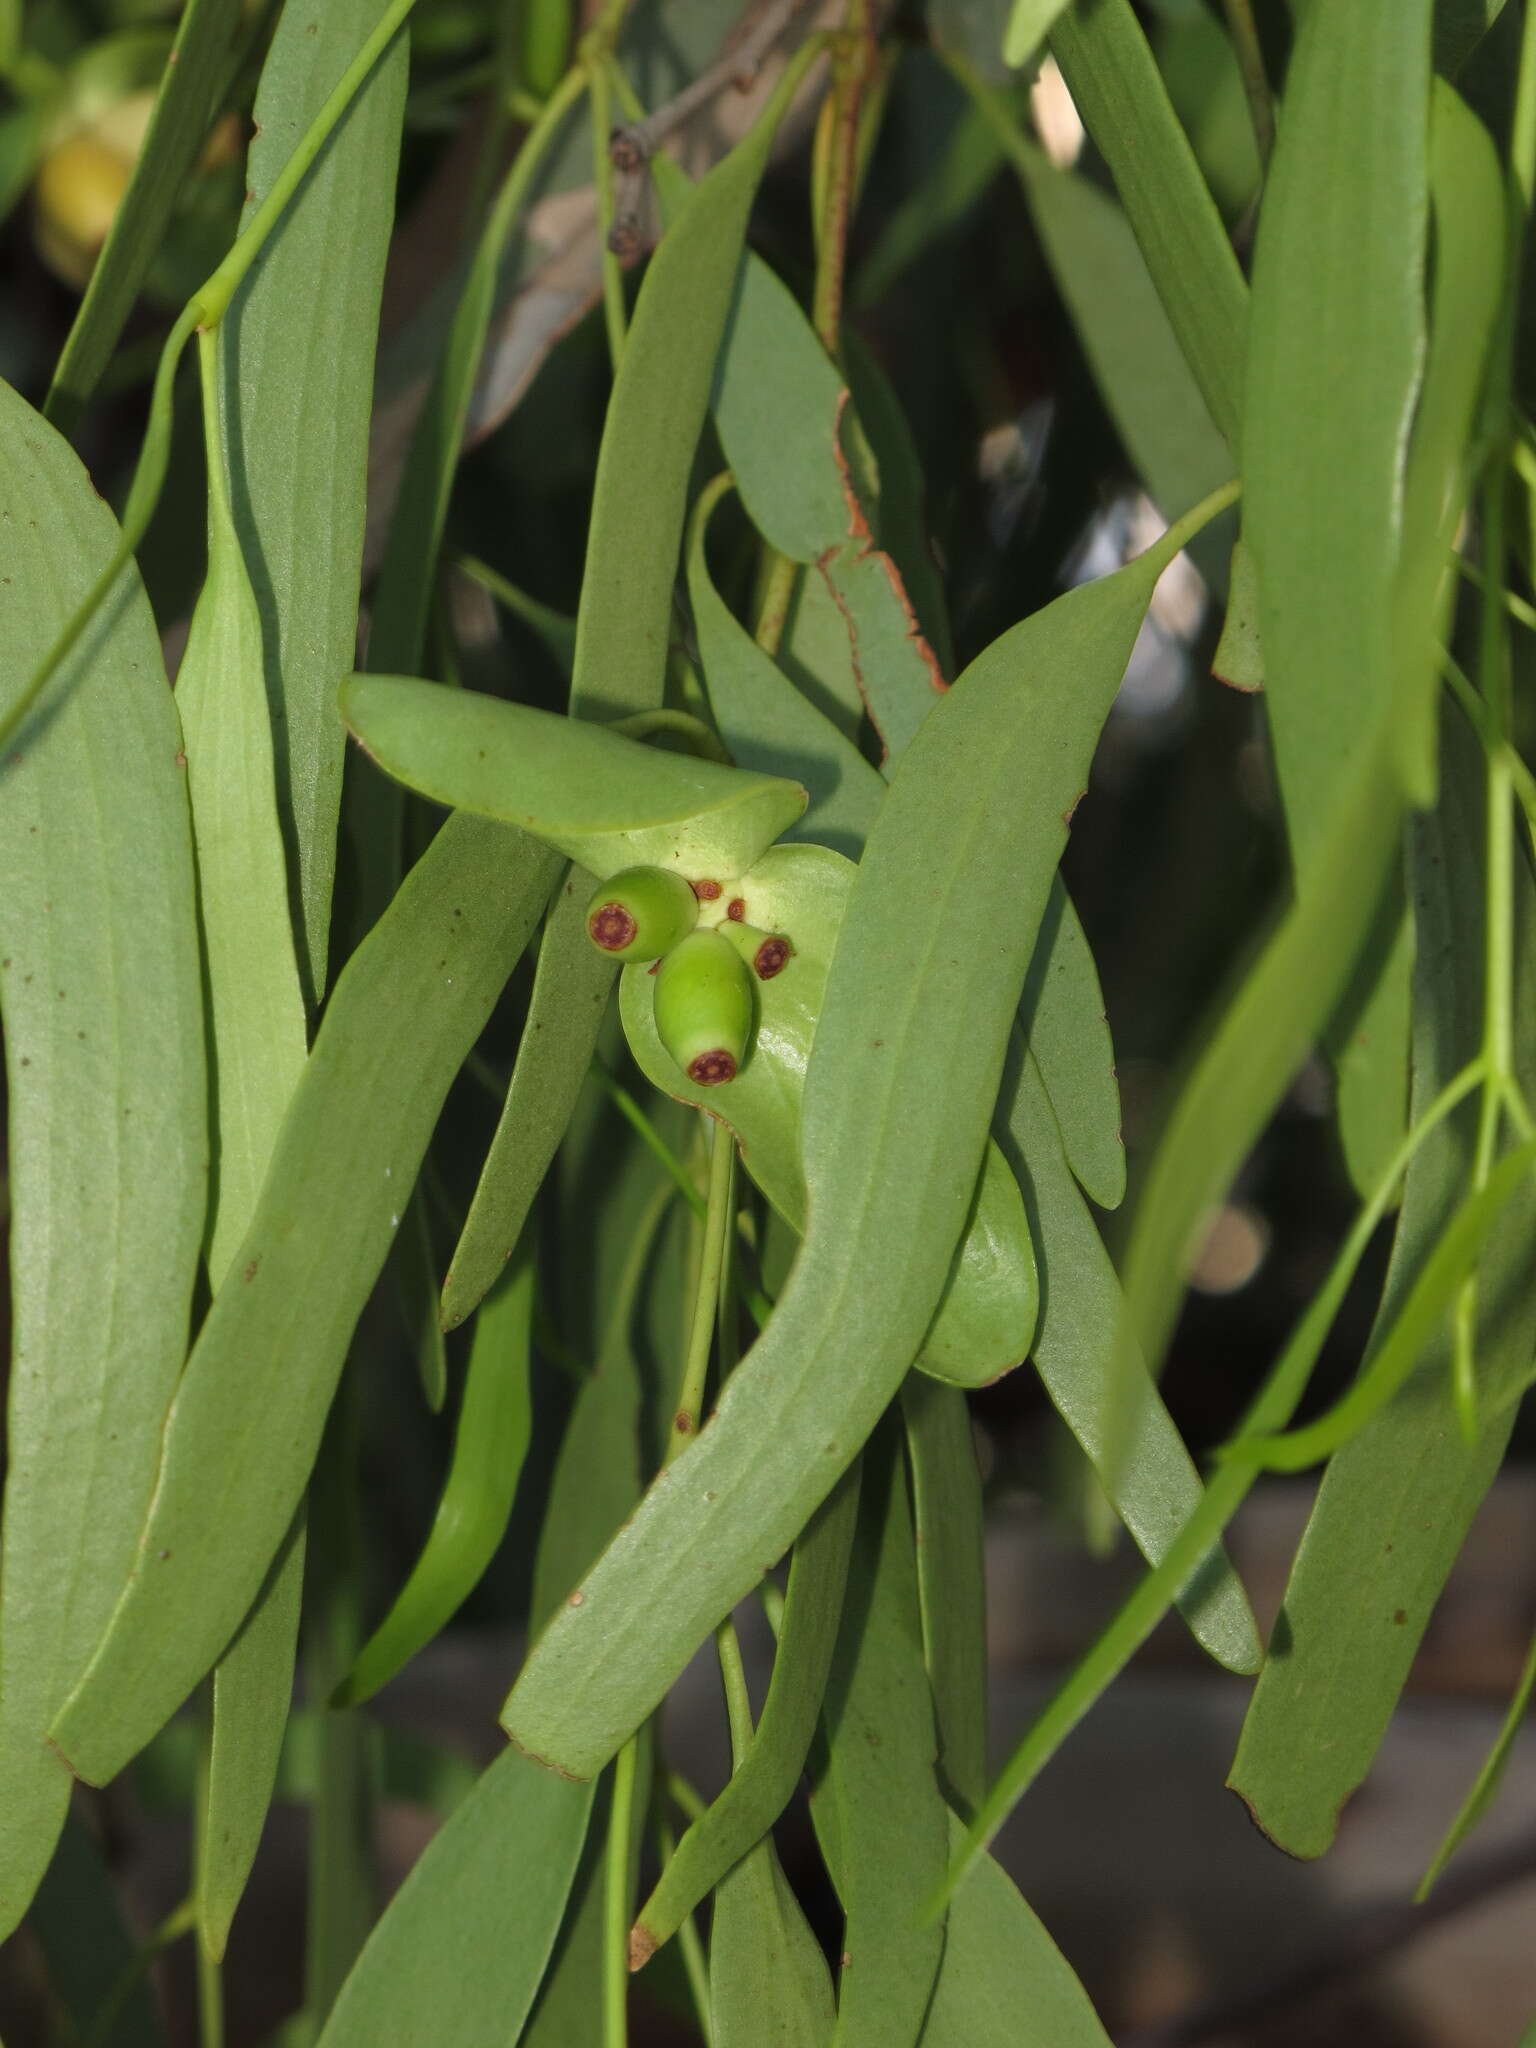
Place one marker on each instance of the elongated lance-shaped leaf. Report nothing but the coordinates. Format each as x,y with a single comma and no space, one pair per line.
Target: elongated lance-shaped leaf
1113,75
1003,1982
1336,350
256,1010
1354,1612
462,1945
102,999
877,1781
252,1698
941,923
196,71
245,1426
951,1579
771,726
300,339
765,1777
1154,1487
489,1446
660,398
604,800
571,986
768,1979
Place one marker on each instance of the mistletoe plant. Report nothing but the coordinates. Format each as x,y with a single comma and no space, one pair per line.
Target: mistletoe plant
829,1158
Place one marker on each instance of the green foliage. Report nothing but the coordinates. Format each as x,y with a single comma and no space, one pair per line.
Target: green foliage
844,957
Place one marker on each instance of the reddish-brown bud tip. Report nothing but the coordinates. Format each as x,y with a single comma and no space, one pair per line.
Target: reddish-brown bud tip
736,909
611,927
771,958
709,1069
706,891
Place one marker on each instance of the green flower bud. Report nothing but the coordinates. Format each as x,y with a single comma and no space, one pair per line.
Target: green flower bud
641,913
704,1007
766,953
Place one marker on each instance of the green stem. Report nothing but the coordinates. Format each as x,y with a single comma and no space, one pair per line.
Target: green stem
1250,62
1229,1485
777,593
602,175
212,299
617,1902
695,1967
717,1231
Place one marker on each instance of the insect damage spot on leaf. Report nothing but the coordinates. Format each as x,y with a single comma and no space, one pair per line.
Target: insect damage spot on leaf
771,957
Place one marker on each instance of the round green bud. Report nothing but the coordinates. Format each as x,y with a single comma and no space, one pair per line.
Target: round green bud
766,953
704,1007
641,913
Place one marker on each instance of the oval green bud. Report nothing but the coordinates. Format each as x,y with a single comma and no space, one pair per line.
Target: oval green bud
704,1007
766,953
641,913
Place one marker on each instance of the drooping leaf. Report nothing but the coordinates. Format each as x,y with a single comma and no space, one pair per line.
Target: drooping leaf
768,1979
1119,91
765,1776
102,1000
1354,1614
298,359
462,1945
489,1444
952,1592
1154,1487
1062,1016
252,1698
602,799
877,1779
940,925
246,1422
196,70
1003,1982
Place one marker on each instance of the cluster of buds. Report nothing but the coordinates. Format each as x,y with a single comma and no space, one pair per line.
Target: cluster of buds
704,973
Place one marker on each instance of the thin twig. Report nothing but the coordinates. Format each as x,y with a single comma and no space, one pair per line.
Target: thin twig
738,64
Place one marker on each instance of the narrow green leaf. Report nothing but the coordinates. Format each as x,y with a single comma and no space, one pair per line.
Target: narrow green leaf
940,926
768,1979
1062,1016
889,1838
1113,76
462,1945
1335,358
1154,1487
765,1778
951,1578
259,1044
299,340
102,998
771,726
245,1425
489,1445
252,1695
1003,1982
196,72
571,986
660,398
1354,1614
604,800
